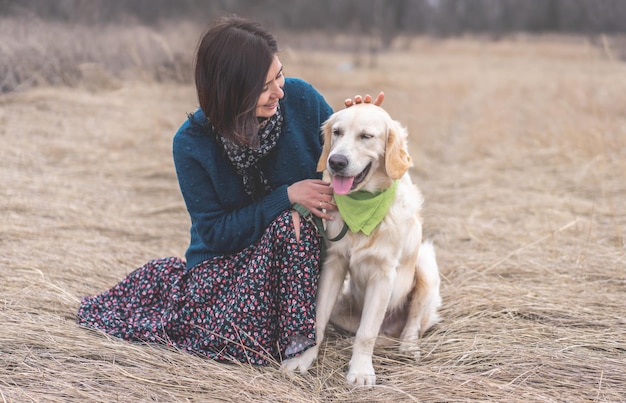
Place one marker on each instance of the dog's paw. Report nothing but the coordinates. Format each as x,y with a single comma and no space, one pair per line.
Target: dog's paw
302,362
410,349
361,374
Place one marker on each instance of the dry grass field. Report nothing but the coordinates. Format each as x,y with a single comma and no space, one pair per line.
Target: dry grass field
519,149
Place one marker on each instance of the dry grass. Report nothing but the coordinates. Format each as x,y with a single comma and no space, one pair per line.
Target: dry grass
36,53
520,150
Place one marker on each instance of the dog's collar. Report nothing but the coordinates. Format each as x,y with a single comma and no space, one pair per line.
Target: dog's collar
363,211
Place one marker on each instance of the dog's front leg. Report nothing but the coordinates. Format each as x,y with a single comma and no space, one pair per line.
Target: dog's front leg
377,296
331,280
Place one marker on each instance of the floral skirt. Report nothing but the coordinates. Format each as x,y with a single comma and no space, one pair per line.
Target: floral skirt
255,306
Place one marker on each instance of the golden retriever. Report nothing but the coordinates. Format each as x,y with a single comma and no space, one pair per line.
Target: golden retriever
390,278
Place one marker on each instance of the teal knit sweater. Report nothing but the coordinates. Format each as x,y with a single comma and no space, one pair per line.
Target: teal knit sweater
224,219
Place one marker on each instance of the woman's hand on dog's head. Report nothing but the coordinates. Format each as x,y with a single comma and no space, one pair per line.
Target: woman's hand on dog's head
367,99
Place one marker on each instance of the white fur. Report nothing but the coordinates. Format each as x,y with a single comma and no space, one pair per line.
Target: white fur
391,277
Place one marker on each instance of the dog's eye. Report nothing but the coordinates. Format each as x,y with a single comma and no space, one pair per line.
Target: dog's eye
366,136
336,132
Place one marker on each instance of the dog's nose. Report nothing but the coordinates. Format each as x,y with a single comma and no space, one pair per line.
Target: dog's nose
338,162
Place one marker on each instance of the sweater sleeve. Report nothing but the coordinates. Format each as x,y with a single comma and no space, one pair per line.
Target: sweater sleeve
224,220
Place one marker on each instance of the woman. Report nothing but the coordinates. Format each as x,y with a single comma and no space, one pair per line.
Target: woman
246,290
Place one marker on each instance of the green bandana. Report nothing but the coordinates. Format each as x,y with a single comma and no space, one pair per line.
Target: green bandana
363,211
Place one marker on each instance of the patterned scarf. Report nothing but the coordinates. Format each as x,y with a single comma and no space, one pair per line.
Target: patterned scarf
245,159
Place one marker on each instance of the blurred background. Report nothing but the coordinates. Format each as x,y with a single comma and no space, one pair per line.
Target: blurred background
63,41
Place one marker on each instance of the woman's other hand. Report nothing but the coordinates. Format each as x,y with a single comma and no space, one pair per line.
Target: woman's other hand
314,194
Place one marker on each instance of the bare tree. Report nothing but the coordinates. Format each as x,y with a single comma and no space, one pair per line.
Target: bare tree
382,20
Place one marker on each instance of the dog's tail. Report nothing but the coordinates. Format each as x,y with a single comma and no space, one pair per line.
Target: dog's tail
429,285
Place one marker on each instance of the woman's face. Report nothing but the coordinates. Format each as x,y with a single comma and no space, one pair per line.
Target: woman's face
272,91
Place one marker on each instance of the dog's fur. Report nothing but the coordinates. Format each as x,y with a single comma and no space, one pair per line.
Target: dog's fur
391,277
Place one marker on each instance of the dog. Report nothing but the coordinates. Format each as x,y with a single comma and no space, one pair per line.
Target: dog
379,281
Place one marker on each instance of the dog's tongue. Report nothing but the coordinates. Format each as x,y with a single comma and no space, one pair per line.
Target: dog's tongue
342,184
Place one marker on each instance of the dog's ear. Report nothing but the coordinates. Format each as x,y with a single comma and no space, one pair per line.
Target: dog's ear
397,158
326,131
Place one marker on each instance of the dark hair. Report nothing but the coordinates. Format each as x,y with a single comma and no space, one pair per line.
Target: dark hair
232,61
